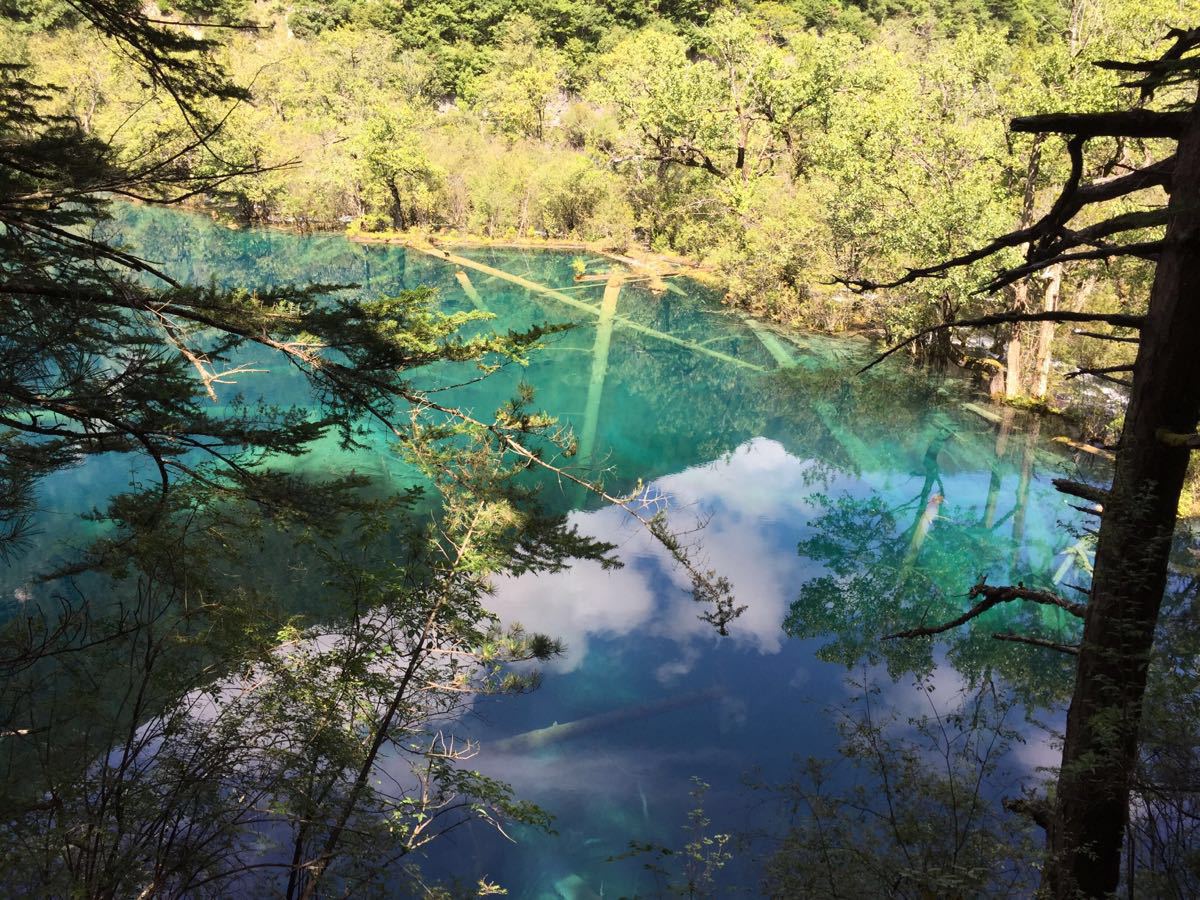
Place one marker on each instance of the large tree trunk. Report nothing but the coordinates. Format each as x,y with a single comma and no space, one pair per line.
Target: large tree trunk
1131,561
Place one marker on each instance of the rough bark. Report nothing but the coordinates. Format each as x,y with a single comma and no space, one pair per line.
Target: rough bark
1100,749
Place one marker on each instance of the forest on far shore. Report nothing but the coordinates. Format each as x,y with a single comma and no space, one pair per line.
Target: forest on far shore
783,145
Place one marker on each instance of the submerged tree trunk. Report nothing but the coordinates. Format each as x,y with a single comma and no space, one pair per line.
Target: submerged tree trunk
994,483
1099,754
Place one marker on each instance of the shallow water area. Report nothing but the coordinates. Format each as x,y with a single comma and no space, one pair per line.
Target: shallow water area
768,439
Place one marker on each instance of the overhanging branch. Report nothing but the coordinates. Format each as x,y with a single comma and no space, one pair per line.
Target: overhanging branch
1083,491
1142,249
1131,123
994,596
1122,320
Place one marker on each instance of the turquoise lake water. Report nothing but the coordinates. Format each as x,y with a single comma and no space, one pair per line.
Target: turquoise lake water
843,507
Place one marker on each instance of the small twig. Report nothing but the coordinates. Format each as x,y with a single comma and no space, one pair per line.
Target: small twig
1072,649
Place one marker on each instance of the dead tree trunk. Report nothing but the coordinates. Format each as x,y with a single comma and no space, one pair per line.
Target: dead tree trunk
1043,357
1014,359
1092,802
1014,356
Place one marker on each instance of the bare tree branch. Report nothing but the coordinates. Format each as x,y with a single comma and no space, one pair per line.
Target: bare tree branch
1122,320
1134,123
1100,371
1084,491
993,596
1037,642
1104,337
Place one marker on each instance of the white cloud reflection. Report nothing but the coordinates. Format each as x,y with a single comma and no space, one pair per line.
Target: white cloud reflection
756,500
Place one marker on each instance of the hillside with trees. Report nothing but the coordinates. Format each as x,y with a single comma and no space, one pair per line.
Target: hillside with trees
784,146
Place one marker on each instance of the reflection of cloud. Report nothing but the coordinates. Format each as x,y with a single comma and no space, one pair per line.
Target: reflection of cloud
1041,750
573,605
755,500
800,679
943,693
674,669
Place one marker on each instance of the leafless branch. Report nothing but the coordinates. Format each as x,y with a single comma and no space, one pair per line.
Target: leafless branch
993,596
1105,337
1037,642
1084,491
1117,319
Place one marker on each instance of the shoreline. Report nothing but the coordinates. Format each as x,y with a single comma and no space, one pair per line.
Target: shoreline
658,265
655,265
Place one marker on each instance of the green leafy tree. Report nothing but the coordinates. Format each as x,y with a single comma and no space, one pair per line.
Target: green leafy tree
523,79
395,170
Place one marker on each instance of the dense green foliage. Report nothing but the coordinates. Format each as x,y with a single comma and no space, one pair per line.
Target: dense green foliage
784,145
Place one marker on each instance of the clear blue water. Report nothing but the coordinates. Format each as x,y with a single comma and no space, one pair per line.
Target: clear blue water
888,485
